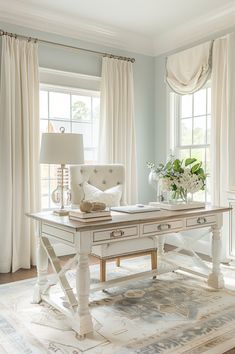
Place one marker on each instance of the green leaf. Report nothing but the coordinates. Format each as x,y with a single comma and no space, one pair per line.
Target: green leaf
177,165
168,165
189,161
196,167
200,172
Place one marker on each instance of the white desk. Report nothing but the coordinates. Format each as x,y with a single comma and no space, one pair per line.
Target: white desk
122,227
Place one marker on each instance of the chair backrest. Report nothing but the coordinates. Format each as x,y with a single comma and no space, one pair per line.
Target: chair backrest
100,176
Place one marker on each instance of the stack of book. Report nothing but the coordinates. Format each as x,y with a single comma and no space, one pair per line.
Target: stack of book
78,215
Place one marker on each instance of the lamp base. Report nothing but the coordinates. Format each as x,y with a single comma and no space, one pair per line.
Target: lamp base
61,212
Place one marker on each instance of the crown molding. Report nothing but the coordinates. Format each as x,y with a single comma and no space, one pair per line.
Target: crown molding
38,18
77,28
197,30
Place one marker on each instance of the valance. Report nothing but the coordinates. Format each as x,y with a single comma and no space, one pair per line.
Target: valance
189,70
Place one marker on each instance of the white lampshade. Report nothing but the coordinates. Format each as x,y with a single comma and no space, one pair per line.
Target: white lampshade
62,149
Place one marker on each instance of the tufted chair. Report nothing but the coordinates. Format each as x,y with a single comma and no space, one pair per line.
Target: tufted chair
104,177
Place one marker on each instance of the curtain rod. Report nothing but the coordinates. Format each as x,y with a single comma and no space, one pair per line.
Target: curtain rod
4,33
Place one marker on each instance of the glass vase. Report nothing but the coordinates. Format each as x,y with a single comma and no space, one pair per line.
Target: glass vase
155,182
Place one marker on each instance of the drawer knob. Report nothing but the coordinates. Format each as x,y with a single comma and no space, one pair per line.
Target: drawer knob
201,220
164,227
117,233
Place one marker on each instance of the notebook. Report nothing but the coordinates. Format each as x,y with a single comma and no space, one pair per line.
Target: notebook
137,208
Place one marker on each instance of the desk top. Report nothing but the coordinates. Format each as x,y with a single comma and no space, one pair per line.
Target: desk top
121,219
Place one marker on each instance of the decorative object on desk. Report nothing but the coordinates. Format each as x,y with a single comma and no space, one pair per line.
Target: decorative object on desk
62,175
181,205
87,207
62,148
95,215
181,177
154,181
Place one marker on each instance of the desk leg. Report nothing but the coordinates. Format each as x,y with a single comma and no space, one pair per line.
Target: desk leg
161,243
215,279
82,323
42,267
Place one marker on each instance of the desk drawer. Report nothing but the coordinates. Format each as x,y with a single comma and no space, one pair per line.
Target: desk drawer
201,220
162,227
58,233
117,233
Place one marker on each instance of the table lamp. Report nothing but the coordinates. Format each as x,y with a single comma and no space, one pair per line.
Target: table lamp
63,149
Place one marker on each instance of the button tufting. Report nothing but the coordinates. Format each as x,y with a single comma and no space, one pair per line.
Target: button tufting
95,170
104,182
81,171
118,182
88,182
110,171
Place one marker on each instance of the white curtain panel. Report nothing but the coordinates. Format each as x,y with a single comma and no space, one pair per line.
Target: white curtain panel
223,122
189,70
19,151
117,143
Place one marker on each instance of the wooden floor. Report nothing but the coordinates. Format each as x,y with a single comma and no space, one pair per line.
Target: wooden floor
23,274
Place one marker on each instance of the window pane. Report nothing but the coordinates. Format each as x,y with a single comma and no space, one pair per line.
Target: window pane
208,129
199,130
184,154
208,160
59,104
43,104
81,107
95,132
44,171
53,171
96,107
45,202
89,156
186,132
85,129
208,189
200,102
199,154
186,106
209,100
45,187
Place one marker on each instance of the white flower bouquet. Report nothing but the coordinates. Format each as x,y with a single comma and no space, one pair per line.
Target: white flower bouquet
180,176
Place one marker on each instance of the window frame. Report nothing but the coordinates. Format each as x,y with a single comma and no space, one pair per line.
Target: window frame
71,91
174,126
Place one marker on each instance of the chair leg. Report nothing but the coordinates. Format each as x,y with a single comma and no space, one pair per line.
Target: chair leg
102,270
118,260
154,261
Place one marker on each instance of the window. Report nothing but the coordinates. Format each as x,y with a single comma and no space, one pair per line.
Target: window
191,128
78,112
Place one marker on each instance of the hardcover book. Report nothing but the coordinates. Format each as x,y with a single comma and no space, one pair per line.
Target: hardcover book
93,214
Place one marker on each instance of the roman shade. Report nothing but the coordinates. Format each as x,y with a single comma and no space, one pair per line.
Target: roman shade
189,70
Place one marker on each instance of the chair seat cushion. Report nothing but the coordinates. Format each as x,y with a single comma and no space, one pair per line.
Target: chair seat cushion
126,247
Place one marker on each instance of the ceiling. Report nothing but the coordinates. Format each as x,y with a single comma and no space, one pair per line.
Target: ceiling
146,26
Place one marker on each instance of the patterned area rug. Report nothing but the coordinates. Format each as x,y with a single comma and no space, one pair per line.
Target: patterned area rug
175,313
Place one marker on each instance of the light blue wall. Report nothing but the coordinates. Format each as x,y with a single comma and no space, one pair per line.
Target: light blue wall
81,62
160,110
